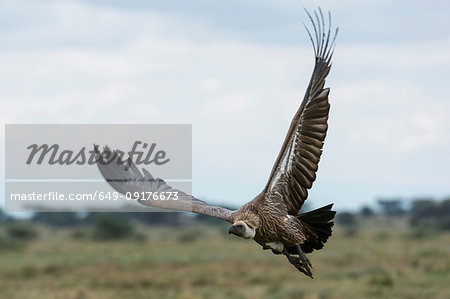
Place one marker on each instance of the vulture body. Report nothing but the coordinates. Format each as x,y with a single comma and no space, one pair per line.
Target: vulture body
272,218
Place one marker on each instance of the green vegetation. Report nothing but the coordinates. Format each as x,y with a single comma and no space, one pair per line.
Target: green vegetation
431,214
109,228
21,231
385,259
8,243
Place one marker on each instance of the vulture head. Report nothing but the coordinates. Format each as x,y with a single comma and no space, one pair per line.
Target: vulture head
242,229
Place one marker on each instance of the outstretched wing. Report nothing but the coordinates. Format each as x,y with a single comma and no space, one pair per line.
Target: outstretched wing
295,168
127,179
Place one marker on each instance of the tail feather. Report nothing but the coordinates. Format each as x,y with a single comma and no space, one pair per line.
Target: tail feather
320,222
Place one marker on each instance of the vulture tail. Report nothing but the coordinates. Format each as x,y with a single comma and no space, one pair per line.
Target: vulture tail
320,222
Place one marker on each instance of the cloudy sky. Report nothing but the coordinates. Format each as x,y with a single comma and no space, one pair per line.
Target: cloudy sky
237,70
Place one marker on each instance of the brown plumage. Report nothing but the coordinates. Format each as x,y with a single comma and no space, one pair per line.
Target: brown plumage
272,218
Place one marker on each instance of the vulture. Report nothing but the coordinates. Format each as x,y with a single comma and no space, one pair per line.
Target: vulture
273,217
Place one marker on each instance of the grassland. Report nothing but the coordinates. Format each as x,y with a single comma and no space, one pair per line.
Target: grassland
378,260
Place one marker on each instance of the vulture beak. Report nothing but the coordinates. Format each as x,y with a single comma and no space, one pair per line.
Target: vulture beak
237,230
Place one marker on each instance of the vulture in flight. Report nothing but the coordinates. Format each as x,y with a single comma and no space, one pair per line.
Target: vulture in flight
272,218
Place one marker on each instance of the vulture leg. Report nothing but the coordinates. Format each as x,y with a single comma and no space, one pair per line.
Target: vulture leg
303,257
298,263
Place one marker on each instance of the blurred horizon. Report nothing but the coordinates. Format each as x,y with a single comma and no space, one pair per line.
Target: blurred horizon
395,253
237,70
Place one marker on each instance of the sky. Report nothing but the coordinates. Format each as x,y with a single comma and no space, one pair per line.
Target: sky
237,71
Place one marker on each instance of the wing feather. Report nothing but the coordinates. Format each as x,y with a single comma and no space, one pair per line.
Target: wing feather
126,178
295,169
